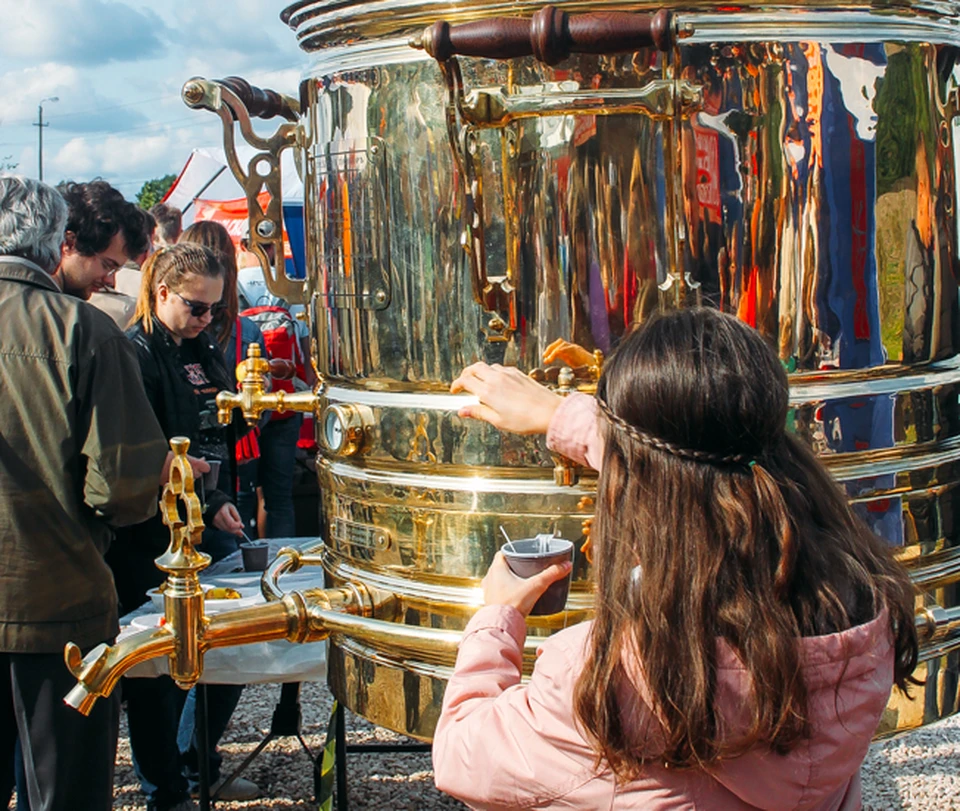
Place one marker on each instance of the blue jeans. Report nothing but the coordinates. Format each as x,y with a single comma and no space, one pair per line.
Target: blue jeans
278,454
222,700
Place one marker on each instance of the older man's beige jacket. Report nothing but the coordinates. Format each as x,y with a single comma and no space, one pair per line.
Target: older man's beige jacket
80,452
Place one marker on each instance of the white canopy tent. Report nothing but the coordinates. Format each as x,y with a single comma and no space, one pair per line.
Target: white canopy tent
206,176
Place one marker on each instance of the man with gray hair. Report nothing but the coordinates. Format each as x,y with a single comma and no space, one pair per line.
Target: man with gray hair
80,452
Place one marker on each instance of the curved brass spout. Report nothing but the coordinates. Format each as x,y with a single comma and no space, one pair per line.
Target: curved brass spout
98,673
253,398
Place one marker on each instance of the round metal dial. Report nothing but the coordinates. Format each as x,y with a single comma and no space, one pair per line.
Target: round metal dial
334,431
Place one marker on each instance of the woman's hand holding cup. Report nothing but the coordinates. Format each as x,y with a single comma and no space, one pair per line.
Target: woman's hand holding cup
502,587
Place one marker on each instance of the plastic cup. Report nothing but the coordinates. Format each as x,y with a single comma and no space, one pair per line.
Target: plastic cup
255,555
529,556
211,477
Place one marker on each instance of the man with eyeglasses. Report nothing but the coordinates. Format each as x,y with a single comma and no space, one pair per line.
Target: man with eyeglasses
104,231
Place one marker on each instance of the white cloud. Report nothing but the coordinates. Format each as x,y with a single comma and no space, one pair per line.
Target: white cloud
81,32
22,89
133,157
117,67
79,109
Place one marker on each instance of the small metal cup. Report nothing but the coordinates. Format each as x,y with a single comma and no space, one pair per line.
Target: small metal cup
525,559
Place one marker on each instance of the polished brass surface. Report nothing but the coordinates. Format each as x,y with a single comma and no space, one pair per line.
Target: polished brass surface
793,165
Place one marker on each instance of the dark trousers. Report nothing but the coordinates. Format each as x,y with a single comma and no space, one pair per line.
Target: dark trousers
278,456
68,758
247,481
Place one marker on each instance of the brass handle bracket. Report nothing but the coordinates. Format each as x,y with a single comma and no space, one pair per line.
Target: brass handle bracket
235,101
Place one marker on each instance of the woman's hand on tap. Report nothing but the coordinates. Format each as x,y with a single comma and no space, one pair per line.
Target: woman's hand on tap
509,400
503,587
228,519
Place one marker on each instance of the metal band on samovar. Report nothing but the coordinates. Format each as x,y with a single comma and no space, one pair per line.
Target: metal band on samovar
473,191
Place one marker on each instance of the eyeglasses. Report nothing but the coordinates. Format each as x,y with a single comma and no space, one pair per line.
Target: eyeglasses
198,309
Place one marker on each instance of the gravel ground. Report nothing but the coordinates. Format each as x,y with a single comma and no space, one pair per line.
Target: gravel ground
919,772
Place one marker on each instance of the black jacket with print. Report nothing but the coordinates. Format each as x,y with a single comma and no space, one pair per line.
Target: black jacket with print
174,402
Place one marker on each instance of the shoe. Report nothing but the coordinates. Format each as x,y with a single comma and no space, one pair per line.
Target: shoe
240,789
183,805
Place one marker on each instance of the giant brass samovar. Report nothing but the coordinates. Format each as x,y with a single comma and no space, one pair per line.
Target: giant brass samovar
472,191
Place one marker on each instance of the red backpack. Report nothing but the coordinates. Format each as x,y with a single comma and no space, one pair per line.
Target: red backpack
280,338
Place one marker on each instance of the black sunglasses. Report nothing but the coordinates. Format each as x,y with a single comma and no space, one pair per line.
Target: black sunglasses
198,309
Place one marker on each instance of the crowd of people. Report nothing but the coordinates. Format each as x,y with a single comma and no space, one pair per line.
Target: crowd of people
93,396
748,629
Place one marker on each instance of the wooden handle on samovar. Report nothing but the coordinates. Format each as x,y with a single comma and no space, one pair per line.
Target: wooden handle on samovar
550,35
260,103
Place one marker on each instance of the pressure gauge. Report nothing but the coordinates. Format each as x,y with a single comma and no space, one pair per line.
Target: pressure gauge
345,428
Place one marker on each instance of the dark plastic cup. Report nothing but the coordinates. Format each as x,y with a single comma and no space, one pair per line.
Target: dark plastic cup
255,555
212,476
525,559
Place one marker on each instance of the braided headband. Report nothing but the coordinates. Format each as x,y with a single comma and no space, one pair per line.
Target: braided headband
651,441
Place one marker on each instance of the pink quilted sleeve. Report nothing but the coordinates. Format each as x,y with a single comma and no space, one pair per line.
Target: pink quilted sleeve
575,430
499,743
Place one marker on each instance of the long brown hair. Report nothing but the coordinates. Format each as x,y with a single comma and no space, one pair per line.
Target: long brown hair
214,236
739,534
171,266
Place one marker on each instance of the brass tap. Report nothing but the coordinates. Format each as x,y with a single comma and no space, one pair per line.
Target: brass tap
253,398
186,633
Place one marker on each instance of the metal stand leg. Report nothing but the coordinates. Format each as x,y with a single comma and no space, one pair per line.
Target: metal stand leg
285,723
342,749
341,762
203,762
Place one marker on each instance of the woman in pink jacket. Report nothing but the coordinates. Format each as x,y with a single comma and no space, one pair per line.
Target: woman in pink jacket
748,626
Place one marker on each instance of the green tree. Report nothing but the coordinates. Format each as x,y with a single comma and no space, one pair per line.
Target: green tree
152,191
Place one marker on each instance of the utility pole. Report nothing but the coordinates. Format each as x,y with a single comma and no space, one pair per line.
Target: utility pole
41,125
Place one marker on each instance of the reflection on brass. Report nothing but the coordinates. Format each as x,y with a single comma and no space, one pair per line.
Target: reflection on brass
253,398
806,184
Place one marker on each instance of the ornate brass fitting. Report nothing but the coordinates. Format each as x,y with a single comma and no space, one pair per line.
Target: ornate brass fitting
178,637
186,633
564,470
253,398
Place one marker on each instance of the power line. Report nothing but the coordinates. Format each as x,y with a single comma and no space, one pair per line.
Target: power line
96,110
166,96
196,120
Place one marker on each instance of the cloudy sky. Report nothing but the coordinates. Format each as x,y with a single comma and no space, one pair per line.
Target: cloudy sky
117,67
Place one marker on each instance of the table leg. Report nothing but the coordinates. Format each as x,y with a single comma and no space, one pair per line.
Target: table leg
203,761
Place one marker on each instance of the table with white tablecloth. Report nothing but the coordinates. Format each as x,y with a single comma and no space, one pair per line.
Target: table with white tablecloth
258,662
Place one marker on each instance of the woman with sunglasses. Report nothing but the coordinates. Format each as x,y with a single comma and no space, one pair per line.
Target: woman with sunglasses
183,369
234,334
